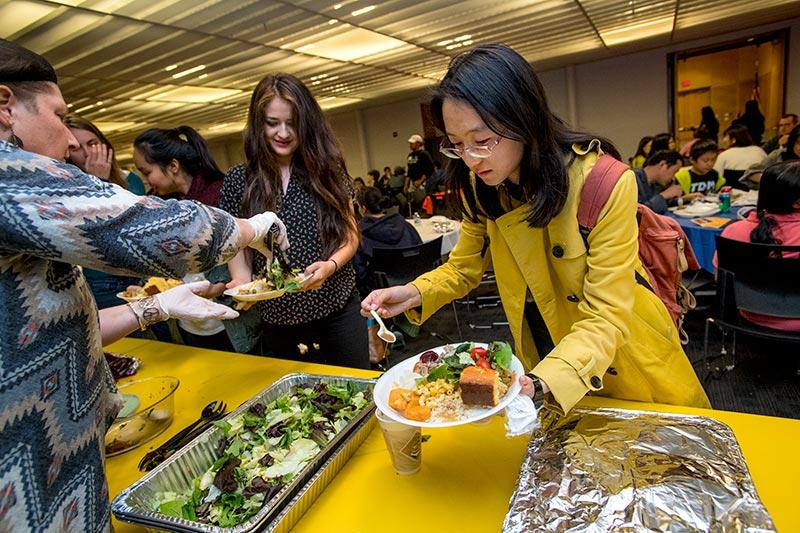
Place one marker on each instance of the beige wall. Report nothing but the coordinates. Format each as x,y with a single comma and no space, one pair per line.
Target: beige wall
622,98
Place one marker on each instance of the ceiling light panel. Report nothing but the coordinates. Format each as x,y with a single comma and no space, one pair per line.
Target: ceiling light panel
71,25
694,12
17,16
349,43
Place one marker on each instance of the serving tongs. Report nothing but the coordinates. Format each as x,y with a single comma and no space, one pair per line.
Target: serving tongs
211,413
277,252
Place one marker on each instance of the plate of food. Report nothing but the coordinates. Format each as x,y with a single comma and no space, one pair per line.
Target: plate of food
450,385
153,285
697,209
276,283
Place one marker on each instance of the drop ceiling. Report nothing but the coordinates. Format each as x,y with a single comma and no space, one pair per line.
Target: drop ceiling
132,64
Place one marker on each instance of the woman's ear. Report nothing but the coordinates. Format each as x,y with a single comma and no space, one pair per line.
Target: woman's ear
174,168
7,101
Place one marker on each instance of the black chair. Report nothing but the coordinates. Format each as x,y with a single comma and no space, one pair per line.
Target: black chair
758,278
484,296
398,266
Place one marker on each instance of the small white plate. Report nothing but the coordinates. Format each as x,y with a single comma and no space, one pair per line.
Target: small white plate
402,375
700,209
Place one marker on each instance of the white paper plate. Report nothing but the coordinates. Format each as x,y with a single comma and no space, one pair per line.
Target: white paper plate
402,375
702,209
259,296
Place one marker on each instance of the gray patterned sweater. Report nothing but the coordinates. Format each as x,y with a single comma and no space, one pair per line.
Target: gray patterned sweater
57,396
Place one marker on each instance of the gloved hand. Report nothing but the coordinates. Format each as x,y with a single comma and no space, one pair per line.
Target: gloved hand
186,302
262,223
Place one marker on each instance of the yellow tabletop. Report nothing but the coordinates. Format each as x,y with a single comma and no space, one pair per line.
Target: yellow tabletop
468,472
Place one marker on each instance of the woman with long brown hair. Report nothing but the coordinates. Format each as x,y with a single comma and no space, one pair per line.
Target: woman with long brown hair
295,166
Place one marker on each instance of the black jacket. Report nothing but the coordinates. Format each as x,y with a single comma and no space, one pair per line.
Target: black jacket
390,231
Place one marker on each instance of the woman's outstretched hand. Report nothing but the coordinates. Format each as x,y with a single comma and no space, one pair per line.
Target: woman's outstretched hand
391,301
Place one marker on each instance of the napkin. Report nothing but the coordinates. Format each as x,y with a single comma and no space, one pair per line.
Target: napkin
521,416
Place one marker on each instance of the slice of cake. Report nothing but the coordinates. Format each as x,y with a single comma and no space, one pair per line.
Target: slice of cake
480,386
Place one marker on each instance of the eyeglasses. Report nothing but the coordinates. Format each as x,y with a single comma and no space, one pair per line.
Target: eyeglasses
478,151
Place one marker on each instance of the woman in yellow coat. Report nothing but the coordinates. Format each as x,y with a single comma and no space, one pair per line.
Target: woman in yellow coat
579,320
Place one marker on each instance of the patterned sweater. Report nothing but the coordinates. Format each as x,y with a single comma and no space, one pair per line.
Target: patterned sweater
57,396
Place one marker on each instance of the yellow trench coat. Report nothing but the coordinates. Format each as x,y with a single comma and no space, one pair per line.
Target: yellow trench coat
613,336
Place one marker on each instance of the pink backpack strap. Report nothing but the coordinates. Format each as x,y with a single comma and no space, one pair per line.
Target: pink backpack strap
597,190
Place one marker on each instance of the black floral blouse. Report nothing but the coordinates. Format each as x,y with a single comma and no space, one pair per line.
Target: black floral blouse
298,211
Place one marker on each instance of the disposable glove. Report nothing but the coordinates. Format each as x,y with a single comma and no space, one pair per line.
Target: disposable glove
186,302
262,223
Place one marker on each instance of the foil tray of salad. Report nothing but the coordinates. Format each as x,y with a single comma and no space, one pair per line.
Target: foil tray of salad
239,475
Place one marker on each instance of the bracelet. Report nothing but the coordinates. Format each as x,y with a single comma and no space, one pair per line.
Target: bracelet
336,265
147,312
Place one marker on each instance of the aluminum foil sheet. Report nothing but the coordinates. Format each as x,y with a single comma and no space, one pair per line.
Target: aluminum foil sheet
617,470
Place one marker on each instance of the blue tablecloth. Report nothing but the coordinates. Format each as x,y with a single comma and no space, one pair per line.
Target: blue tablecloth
702,239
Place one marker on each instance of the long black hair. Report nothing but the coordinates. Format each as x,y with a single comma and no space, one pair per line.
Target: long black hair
709,123
506,93
640,150
183,144
661,142
778,193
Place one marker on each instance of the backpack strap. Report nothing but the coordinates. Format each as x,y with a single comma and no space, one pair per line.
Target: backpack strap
596,191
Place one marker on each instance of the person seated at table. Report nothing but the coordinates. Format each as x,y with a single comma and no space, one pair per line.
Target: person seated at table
579,319
177,163
700,178
58,394
662,141
655,180
739,153
776,220
752,176
642,151
373,178
95,155
378,229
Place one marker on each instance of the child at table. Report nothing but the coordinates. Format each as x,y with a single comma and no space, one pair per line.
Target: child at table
700,178
776,220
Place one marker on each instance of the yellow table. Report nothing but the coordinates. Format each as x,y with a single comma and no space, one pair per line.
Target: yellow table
468,473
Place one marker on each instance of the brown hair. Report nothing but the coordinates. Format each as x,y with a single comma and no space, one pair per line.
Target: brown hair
317,163
79,123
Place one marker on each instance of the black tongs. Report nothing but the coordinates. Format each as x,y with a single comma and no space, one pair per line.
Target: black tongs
277,252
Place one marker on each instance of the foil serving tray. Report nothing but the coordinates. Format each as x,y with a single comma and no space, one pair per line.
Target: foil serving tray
137,503
619,470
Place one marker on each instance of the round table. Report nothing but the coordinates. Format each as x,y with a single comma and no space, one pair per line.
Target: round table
427,232
703,240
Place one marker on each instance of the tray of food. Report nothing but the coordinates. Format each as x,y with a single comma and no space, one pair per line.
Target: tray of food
274,284
240,475
450,385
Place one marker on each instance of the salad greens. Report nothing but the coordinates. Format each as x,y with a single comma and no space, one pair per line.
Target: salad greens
262,450
286,281
497,356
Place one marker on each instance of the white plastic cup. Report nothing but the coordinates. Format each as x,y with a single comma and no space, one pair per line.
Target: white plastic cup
404,444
